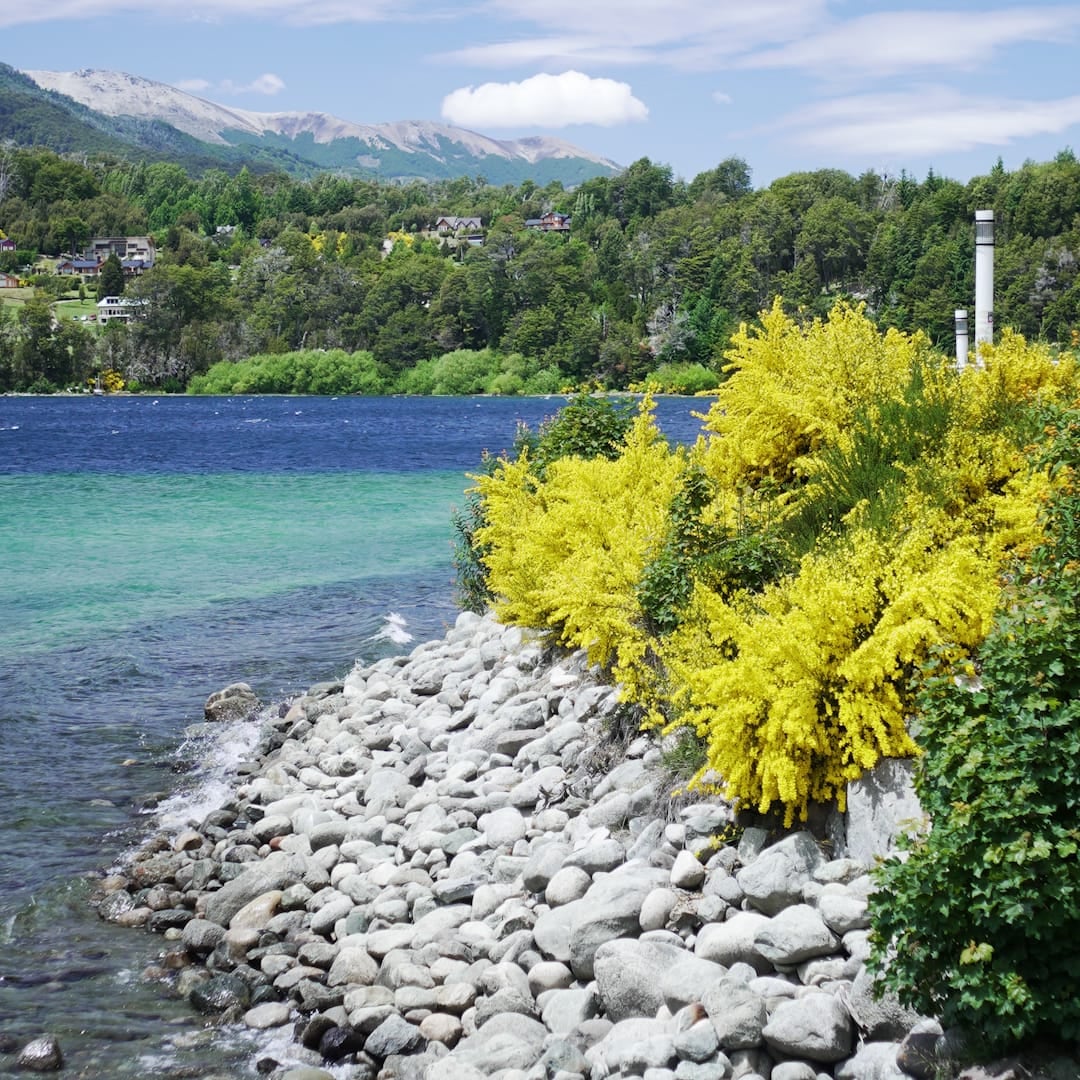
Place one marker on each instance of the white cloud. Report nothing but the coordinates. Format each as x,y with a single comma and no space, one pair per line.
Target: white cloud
298,12
268,84
889,43
680,33
721,98
550,101
932,120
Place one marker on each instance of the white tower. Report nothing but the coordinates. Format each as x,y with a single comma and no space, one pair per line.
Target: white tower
984,277
962,341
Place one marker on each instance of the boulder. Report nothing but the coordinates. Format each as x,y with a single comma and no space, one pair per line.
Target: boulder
41,1055
798,933
235,702
815,1027
775,879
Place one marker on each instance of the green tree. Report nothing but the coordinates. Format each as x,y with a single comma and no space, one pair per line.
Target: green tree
111,279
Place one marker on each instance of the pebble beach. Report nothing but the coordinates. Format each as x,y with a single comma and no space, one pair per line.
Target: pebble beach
457,863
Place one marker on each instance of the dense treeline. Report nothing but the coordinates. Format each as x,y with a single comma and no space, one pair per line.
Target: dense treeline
655,271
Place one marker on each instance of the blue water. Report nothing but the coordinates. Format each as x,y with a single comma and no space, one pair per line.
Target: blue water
152,551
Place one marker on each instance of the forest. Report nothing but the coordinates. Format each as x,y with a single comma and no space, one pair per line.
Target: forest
263,282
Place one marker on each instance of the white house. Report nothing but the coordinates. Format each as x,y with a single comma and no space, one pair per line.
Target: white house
115,307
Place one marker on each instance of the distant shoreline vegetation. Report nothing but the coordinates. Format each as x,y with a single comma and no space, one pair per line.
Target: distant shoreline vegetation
458,373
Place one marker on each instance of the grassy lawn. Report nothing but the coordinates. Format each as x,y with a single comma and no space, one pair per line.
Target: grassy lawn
75,309
13,299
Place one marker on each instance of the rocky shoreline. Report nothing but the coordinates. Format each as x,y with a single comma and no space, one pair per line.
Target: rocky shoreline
447,867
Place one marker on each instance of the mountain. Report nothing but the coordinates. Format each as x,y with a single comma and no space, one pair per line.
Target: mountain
33,116
305,142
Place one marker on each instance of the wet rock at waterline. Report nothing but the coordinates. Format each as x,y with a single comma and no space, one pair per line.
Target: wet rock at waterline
440,868
235,702
41,1055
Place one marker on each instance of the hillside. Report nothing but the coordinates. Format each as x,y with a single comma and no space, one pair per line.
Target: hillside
306,142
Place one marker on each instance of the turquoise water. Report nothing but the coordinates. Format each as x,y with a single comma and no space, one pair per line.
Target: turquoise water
151,552
89,555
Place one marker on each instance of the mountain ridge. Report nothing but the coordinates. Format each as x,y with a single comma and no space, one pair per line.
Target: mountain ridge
395,150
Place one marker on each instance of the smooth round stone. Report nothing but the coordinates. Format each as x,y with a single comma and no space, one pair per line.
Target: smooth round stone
270,1015
570,883
441,1028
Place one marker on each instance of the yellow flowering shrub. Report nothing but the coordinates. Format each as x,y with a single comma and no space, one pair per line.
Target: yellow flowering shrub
799,689
775,588
565,554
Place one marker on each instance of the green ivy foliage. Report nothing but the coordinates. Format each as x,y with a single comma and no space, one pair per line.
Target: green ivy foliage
980,923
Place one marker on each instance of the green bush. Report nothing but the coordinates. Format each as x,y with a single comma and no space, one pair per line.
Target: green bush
464,371
684,378
586,427
980,925
331,371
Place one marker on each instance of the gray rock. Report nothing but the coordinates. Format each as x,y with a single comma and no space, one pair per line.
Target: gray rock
510,1041
441,1028
567,885
219,994
687,872
881,1018
393,1036
881,805
733,942
796,934
738,1014
707,1070
610,909
278,870
872,1061
352,966
42,1054
843,912
565,1010
598,857
324,920
656,909
657,1052
794,1070
775,879
815,1027
235,702
636,978
271,1014
608,1056
549,975
918,1054
201,935
543,865
503,827
698,1042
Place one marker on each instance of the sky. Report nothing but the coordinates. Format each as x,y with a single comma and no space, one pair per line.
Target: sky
786,85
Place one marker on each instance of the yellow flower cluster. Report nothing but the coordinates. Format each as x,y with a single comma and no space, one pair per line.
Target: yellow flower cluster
566,555
792,390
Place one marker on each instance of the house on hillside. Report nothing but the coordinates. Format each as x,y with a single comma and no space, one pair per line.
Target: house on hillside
550,222
136,253
7,245
455,231
115,308
8,281
86,269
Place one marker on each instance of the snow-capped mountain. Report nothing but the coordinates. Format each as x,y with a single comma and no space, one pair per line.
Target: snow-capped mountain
398,149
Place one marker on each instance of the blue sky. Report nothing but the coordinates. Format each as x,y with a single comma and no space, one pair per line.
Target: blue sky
784,84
